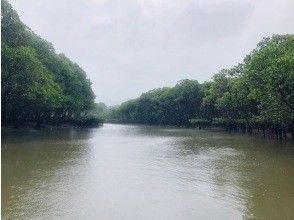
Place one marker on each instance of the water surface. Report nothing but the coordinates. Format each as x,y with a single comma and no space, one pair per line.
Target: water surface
144,172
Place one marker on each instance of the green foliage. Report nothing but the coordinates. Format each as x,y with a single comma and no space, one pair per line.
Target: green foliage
38,85
87,121
258,93
269,72
165,106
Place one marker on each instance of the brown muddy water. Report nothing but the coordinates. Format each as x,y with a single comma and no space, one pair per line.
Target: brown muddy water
145,172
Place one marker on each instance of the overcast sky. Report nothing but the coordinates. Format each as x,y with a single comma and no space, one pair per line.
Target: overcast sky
131,46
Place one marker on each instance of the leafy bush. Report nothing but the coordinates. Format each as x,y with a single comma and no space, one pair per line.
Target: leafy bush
88,121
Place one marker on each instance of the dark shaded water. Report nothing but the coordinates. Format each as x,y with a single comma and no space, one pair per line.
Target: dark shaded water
140,172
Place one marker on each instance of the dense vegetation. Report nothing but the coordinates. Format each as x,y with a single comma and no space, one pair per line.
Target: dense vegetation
257,94
39,85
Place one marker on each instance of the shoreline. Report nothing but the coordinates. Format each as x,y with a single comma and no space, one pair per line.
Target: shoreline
254,132
33,126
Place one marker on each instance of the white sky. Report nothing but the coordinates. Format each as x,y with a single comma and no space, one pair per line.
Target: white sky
131,46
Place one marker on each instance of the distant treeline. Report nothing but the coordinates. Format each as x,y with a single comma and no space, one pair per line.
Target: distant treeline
257,94
39,85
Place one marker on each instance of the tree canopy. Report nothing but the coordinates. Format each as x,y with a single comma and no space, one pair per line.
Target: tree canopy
38,85
257,93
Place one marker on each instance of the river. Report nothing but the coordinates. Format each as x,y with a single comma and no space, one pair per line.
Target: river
145,172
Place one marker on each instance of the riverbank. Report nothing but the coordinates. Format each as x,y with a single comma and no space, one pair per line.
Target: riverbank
35,126
255,132
86,121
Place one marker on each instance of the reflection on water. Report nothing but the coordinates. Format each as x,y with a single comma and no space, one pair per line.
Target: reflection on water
144,172
39,168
